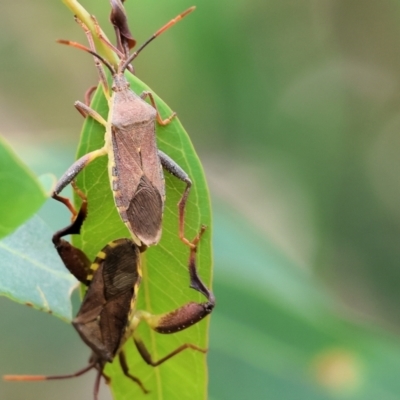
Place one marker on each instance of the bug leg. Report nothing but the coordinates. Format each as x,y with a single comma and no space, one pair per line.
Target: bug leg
96,386
125,370
99,67
174,169
172,322
106,377
178,319
73,258
49,377
86,111
161,121
78,217
195,282
148,358
75,168
88,97
67,202
188,314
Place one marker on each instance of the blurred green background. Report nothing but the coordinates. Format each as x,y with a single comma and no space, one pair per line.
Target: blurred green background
294,109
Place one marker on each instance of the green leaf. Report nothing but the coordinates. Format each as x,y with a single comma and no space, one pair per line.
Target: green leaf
165,276
21,194
31,270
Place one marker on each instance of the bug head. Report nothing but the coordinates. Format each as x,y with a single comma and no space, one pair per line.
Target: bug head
120,83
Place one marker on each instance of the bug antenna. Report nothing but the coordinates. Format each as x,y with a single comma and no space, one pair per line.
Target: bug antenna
84,48
47,378
158,33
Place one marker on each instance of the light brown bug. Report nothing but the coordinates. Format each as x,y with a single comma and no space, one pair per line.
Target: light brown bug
134,162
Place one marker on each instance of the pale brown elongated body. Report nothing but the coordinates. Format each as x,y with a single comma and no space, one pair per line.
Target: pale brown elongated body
135,169
135,164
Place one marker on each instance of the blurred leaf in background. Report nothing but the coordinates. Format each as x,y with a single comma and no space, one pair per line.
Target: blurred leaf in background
294,109
21,193
31,270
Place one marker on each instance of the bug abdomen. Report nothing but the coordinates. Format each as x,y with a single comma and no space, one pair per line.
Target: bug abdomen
138,186
145,212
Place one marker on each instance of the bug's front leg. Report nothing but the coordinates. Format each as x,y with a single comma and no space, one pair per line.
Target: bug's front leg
74,170
73,258
85,160
86,111
99,67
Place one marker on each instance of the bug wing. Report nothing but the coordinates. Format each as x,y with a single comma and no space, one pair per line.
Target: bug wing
86,321
138,181
103,316
121,281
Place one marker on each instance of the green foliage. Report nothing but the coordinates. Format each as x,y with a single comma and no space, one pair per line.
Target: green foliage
277,334
165,277
21,194
31,271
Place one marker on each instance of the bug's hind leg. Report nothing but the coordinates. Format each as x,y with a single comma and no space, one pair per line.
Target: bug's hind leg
125,370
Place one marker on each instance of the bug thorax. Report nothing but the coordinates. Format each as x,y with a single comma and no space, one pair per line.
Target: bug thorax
120,83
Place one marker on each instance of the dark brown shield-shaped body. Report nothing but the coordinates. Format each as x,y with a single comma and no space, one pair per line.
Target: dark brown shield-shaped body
134,164
108,315
104,313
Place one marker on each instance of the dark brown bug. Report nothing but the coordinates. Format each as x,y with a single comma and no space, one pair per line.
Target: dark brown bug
108,317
